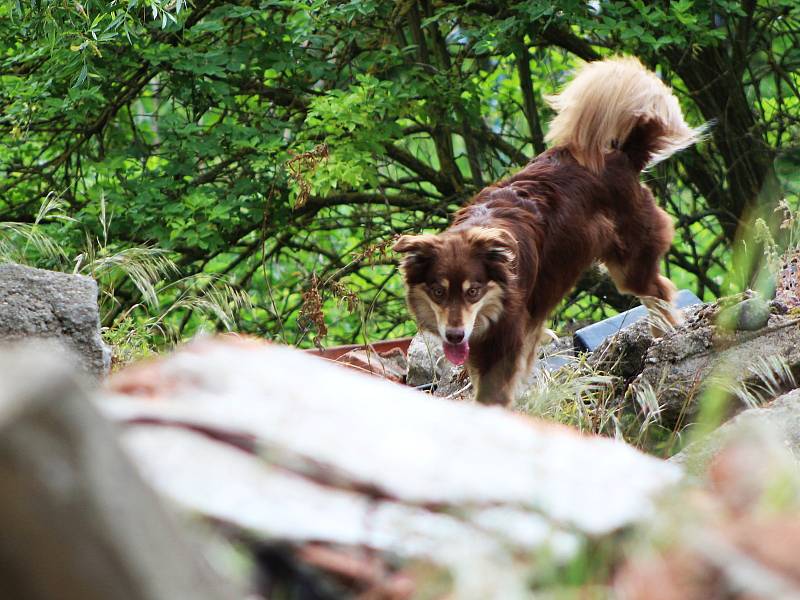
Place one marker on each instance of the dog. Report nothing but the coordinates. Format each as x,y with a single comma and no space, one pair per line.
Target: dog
487,284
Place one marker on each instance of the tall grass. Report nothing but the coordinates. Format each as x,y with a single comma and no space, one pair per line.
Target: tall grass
165,298
579,395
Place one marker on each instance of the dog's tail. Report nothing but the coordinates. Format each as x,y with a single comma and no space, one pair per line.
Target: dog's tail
618,103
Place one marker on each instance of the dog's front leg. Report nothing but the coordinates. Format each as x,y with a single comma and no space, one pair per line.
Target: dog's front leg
498,384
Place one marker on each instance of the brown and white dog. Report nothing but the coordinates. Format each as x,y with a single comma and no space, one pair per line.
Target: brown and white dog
487,284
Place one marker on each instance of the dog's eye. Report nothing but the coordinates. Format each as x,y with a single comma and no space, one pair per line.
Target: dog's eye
438,292
473,293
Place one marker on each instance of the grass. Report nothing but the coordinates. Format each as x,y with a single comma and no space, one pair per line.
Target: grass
580,395
589,397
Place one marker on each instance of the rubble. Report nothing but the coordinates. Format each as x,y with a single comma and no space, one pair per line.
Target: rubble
286,447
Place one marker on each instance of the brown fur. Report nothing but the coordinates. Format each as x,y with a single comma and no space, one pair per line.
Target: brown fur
526,240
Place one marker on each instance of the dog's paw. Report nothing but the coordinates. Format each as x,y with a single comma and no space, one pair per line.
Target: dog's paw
547,336
663,322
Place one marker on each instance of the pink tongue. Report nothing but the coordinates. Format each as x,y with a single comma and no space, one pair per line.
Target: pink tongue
456,353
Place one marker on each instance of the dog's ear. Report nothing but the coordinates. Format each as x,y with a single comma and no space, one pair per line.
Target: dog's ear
420,245
419,249
495,244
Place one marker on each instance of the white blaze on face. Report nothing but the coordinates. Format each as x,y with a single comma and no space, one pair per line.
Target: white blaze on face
474,317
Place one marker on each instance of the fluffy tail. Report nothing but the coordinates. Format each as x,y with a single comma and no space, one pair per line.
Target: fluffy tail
618,103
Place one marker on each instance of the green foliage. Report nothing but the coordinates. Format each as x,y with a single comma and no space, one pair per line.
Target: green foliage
177,146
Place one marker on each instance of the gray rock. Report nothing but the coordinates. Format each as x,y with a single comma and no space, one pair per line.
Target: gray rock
680,366
626,354
426,361
455,384
623,354
749,315
778,422
46,305
590,337
687,362
428,368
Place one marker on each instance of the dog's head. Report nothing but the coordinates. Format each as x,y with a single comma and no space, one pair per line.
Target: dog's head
457,281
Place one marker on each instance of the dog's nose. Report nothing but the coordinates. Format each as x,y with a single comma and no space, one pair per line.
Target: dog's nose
454,336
